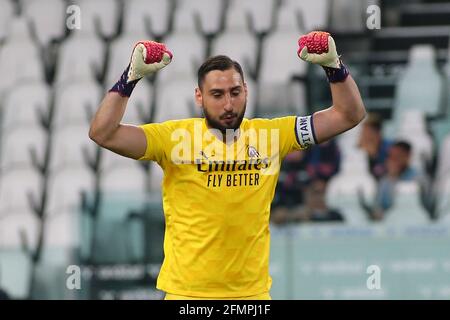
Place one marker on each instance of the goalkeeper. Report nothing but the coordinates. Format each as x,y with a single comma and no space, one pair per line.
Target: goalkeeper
217,194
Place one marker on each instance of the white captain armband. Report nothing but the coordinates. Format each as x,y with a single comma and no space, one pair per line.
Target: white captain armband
304,131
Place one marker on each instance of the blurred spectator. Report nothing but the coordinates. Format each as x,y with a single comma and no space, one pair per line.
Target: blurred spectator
299,168
398,168
376,147
313,210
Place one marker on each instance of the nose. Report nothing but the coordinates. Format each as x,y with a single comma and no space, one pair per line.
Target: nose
228,103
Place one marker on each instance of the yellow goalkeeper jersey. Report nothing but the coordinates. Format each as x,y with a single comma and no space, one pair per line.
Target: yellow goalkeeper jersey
216,200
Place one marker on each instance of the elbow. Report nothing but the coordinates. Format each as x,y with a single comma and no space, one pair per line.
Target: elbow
357,116
95,136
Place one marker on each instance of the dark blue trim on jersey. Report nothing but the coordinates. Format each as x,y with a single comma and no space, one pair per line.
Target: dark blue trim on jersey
295,130
312,129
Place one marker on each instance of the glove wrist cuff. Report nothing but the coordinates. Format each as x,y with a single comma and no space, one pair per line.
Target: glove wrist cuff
123,87
336,74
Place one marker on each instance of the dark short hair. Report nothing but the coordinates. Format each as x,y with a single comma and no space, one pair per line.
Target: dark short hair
405,146
219,62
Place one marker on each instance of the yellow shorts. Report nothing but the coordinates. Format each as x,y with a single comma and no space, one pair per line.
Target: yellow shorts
262,296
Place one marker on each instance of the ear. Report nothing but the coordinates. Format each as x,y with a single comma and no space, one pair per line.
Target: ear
246,90
198,97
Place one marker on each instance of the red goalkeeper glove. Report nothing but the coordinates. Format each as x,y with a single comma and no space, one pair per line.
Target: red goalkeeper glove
147,58
318,47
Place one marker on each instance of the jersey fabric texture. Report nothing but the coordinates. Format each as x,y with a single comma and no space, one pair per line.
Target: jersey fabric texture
216,200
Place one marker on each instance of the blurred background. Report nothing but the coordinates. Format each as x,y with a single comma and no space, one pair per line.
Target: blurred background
79,222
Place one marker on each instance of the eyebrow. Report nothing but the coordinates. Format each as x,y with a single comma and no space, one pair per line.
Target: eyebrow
222,90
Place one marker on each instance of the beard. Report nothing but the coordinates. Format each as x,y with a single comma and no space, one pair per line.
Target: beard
216,124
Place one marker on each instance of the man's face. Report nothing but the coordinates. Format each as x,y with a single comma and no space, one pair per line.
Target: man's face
398,159
223,98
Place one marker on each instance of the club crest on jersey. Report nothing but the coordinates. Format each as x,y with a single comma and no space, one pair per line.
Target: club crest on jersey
252,152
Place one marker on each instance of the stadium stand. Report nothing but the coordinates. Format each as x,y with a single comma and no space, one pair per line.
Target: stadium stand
57,185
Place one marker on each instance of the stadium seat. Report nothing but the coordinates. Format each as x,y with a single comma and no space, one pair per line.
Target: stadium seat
170,106
443,164
74,102
406,209
80,57
125,182
62,228
410,93
140,101
286,60
262,13
313,14
246,53
344,188
6,15
348,141
188,53
95,10
19,57
442,193
281,99
19,226
17,146
111,161
47,18
16,186
156,12
276,94
24,105
348,15
65,187
70,146
209,12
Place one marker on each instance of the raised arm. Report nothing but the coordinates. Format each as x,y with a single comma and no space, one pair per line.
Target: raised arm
348,108
106,129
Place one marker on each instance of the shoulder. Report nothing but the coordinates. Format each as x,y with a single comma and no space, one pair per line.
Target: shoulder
280,122
171,125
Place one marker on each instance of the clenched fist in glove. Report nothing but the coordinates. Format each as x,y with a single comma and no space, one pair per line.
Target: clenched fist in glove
318,47
147,58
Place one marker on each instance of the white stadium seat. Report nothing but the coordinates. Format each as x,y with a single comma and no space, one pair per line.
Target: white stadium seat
262,14
140,101
188,53
95,10
24,105
72,102
70,146
65,187
170,106
19,57
406,209
17,145
15,186
19,226
208,11
125,180
6,15
120,53
79,57
314,13
47,17
239,46
156,12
